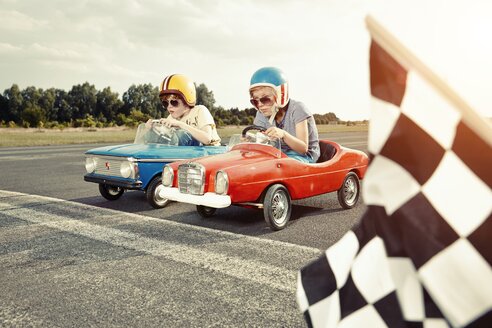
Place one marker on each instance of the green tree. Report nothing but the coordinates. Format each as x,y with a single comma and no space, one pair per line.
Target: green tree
31,97
47,104
31,111
144,98
121,119
250,112
33,115
15,103
136,117
205,97
223,115
4,109
108,104
62,107
326,118
247,120
82,99
234,121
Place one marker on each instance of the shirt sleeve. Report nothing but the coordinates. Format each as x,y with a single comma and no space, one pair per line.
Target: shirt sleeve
301,113
205,117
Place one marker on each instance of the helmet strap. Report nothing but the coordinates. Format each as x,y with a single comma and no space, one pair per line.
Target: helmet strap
274,113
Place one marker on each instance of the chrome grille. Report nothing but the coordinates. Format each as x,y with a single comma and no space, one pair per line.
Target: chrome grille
191,178
106,166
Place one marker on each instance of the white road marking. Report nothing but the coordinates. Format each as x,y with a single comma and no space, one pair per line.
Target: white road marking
20,206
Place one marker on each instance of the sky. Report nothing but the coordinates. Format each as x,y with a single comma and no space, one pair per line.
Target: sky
321,45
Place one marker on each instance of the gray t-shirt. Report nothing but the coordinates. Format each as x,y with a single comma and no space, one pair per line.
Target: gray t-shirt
296,113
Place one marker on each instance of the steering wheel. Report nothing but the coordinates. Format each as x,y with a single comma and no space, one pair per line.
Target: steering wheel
165,135
252,127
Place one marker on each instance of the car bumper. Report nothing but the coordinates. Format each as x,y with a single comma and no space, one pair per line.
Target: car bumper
209,199
125,184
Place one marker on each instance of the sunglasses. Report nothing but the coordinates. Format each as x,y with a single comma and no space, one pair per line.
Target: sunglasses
172,102
266,100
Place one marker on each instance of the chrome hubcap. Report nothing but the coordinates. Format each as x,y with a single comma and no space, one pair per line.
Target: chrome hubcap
157,198
113,190
279,207
350,190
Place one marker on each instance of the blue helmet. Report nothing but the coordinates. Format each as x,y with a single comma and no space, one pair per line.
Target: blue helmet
274,78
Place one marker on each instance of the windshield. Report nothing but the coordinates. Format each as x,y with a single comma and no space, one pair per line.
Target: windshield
156,133
254,136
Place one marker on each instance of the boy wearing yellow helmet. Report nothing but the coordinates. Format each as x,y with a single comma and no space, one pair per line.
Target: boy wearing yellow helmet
285,119
197,126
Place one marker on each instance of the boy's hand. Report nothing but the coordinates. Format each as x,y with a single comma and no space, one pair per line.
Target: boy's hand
276,133
170,123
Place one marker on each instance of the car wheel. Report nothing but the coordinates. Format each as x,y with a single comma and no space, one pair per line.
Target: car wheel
205,211
348,194
277,207
152,193
110,192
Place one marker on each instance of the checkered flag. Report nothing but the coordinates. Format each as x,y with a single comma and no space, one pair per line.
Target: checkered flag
421,255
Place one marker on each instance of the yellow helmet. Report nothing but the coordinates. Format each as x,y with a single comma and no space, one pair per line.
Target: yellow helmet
180,85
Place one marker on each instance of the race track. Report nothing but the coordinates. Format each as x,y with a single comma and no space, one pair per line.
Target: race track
70,258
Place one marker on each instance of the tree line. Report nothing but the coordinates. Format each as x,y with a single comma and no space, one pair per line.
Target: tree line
85,106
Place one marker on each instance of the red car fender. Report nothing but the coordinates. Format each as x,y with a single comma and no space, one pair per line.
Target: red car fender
248,183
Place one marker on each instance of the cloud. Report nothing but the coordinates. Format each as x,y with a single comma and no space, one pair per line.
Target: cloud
12,20
322,45
39,51
217,42
6,48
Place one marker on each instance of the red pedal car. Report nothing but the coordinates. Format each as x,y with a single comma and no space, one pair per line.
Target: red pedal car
255,173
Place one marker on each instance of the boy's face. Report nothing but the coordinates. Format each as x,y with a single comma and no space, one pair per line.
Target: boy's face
263,98
175,106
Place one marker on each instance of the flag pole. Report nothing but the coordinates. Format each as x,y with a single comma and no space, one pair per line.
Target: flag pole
396,49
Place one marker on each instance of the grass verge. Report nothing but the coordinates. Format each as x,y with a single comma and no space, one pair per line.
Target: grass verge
19,137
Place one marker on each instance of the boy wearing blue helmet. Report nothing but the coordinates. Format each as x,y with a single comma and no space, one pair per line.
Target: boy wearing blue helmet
285,119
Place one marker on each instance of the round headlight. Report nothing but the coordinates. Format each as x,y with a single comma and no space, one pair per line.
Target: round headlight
167,176
221,182
126,169
90,164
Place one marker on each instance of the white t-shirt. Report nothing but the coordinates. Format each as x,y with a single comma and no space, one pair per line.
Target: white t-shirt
199,117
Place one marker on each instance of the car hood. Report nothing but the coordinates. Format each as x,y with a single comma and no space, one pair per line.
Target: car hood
238,156
156,151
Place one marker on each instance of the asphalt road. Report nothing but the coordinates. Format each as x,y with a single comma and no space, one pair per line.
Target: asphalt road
68,257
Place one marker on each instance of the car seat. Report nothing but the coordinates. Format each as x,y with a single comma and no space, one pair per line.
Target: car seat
327,151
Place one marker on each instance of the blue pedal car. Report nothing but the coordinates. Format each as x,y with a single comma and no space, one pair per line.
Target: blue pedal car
138,166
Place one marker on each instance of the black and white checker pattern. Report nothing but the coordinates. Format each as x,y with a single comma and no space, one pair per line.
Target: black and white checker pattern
422,253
